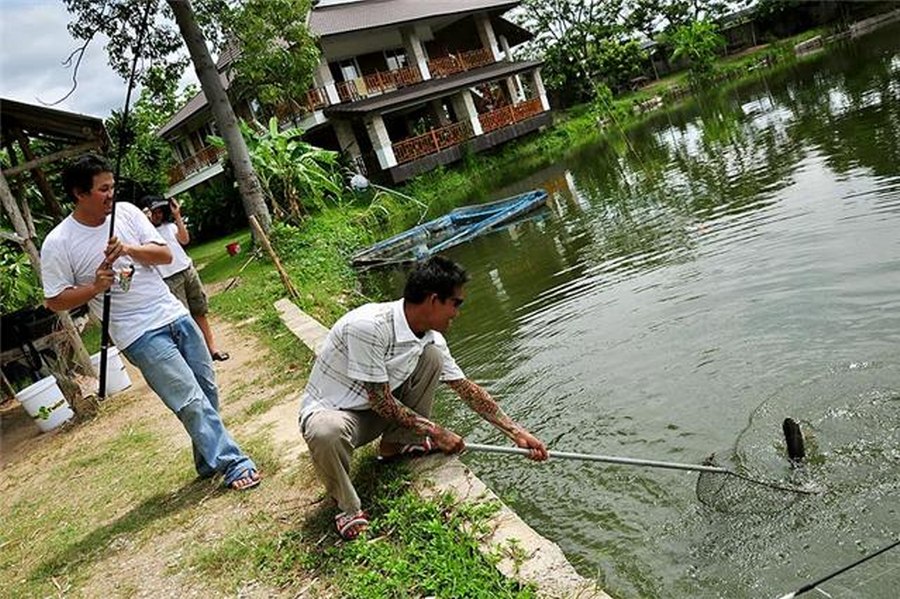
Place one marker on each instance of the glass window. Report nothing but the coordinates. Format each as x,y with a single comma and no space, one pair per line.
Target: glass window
395,59
348,69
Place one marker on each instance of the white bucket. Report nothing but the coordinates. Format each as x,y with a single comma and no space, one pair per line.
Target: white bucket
45,403
116,377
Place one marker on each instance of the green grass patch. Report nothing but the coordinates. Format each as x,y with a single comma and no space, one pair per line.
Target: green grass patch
414,547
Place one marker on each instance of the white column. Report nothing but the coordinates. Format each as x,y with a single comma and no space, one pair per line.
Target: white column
538,84
464,107
504,48
415,51
323,75
381,141
486,34
346,138
512,89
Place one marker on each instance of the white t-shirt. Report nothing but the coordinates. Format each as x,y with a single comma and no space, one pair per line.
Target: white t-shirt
180,259
374,344
72,253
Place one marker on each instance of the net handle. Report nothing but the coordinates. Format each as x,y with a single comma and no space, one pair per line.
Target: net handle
566,455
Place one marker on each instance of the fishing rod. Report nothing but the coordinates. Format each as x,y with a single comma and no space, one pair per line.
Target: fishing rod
703,468
815,584
123,126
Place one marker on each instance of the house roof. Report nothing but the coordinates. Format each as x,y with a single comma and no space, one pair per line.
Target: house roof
40,122
430,90
334,19
193,106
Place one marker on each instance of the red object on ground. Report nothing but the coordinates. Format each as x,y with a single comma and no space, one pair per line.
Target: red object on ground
234,248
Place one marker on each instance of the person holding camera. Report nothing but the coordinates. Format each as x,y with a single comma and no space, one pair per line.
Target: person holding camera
180,275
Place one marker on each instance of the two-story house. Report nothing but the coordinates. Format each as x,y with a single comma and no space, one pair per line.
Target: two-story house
402,86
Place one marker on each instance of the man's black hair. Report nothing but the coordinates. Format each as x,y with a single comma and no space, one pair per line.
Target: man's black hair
436,275
79,174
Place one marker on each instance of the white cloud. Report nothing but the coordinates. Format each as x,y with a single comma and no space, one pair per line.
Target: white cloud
34,42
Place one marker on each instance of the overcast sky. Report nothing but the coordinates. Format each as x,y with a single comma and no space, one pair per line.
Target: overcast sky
34,42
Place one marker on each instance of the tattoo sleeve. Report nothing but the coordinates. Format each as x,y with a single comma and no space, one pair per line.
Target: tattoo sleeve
481,401
387,406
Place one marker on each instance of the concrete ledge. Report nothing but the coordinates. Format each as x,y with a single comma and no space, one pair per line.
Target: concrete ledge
528,557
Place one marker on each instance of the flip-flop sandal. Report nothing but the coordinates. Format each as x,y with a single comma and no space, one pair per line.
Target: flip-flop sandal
349,526
411,450
220,356
247,480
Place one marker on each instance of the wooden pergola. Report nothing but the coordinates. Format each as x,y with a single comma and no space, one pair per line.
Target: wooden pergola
68,134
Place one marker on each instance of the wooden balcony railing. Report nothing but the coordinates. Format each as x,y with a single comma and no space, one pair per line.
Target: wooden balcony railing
444,66
377,83
202,159
314,99
432,142
509,114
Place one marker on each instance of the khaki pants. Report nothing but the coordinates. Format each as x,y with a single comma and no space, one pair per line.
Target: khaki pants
333,435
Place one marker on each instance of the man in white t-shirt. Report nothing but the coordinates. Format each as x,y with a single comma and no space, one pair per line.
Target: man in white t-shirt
180,275
79,262
377,374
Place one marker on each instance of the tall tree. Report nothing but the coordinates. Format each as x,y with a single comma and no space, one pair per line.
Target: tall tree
566,33
120,21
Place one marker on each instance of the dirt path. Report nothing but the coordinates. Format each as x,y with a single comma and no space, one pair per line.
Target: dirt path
149,561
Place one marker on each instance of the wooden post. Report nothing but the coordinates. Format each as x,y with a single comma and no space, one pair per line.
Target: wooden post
81,356
40,179
20,192
264,241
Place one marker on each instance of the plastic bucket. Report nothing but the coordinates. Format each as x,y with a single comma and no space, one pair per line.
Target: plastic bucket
45,403
116,377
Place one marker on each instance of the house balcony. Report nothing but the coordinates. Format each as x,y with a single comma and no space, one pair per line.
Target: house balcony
444,66
377,83
205,158
432,142
509,114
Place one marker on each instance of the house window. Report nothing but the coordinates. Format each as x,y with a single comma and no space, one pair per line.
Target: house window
204,132
349,69
395,59
183,149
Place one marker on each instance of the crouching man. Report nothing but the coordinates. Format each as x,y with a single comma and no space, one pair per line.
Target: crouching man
376,376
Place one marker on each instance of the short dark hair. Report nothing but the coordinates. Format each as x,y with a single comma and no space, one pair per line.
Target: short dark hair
79,174
436,275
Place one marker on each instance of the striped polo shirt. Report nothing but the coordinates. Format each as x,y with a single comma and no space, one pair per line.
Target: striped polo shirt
371,344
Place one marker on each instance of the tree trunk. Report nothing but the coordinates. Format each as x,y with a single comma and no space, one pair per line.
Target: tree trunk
248,184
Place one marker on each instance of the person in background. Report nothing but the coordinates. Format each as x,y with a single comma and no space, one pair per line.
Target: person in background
376,375
80,262
181,276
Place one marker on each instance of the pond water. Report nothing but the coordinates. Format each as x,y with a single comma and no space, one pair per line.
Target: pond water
726,266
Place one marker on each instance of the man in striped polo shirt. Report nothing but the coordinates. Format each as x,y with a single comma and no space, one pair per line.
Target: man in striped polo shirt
377,375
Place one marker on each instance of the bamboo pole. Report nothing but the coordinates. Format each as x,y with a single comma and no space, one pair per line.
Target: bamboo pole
261,237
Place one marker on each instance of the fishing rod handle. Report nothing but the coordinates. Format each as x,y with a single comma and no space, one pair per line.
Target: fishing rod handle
600,458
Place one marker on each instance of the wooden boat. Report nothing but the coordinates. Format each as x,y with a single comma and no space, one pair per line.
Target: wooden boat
459,226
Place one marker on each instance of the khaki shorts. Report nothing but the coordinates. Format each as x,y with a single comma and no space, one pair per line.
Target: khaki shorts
188,288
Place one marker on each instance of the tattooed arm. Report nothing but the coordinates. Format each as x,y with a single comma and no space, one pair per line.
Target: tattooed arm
388,407
484,405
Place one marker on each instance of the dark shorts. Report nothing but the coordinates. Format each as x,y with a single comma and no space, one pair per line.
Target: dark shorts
188,288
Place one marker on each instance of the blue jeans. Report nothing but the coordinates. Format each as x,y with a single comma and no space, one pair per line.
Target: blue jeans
176,364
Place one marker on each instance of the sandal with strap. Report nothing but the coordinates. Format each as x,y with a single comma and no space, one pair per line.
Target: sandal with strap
220,356
412,450
349,526
247,480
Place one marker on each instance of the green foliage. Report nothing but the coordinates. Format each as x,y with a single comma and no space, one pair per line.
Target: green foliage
617,62
700,44
19,285
214,208
296,177
278,55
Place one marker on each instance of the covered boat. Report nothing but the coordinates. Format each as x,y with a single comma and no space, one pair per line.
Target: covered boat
459,226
